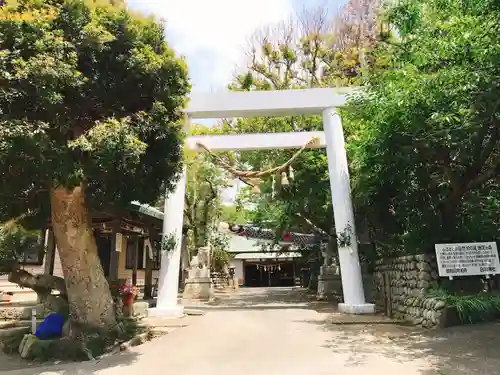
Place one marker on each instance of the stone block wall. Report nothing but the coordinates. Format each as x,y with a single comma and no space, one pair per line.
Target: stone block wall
401,286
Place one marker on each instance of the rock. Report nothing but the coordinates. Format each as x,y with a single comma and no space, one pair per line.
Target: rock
424,276
425,267
439,305
26,346
65,328
433,317
424,284
426,323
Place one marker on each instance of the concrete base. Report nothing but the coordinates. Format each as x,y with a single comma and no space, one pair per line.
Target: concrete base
329,284
199,288
365,308
173,312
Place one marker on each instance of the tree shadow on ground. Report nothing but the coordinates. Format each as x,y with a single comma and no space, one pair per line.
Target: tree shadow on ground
464,350
23,367
276,298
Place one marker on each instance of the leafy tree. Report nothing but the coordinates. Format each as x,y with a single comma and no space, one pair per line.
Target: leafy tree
220,256
235,214
90,98
427,150
202,209
203,204
313,50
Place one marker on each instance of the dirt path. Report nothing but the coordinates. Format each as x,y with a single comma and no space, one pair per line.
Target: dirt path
269,332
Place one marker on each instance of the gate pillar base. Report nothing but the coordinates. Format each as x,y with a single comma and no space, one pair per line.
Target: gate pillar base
357,309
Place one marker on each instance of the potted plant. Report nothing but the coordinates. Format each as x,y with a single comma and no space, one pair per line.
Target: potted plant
128,294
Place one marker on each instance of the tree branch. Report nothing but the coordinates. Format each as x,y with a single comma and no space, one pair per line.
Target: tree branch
314,226
213,190
482,154
41,284
493,171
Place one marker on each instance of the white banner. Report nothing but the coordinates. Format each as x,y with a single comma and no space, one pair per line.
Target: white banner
467,259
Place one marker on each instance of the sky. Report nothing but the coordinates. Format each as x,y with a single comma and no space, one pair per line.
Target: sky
212,34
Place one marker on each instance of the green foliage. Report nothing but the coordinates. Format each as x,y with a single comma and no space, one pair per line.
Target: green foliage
219,257
87,345
471,308
205,183
91,94
307,52
15,244
425,145
235,214
168,242
10,343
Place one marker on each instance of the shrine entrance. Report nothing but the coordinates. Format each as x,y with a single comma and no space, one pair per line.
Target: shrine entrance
322,101
269,273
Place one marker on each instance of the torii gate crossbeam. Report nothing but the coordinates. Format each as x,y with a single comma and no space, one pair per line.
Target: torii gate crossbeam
271,103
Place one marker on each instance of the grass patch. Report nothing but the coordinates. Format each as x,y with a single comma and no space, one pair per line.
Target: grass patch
474,308
89,344
10,344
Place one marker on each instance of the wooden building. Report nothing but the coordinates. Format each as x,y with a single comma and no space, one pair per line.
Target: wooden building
128,244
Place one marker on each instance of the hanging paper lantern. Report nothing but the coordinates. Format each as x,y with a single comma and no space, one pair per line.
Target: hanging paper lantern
291,174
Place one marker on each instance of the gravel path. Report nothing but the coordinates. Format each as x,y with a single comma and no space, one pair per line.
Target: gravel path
275,331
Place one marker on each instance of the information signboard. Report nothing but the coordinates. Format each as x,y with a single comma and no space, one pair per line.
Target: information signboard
467,259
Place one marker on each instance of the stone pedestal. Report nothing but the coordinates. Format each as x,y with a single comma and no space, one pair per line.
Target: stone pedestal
329,284
198,285
198,288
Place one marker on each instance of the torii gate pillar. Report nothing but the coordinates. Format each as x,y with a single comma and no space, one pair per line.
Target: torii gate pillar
272,103
350,269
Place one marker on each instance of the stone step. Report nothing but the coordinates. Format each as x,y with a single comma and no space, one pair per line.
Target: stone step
18,294
17,323
19,311
6,332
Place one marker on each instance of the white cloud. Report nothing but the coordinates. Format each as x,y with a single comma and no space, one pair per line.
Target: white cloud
212,34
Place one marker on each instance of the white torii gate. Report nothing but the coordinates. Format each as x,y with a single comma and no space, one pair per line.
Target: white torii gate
270,103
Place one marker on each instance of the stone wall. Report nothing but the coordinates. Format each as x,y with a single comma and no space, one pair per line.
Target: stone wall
401,288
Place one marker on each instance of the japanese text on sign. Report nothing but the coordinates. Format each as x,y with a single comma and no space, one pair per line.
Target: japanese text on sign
467,259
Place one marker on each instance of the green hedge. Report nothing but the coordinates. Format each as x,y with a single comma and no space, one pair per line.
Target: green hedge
475,308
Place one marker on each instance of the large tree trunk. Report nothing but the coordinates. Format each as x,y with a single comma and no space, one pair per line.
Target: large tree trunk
90,301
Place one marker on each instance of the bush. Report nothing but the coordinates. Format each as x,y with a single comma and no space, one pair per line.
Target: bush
475,308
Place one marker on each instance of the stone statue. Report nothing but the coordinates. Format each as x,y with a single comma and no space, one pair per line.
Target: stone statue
200,264
199,284
327,256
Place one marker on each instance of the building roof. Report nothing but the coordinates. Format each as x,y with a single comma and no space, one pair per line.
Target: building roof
257,256
146,209
262,236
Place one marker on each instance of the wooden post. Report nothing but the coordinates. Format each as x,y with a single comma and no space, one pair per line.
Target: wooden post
114,256
148,274
134,266
51,253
